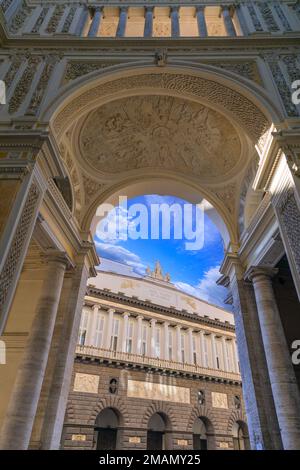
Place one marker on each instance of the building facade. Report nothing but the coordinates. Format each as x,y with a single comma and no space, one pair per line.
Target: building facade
107,99
153,374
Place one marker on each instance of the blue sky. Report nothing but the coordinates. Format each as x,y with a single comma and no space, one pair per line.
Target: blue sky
193,271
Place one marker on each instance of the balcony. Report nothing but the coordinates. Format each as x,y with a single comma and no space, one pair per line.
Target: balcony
124,358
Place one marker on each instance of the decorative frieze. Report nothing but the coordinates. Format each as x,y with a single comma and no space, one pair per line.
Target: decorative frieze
23,85
256,23
292,66
5,5
219,400
282,17
282,86
78,69
86,383
68,20
53,23
226,196
40,20
20,17
290,217
247,69
268,17
8,272
12,71
41,86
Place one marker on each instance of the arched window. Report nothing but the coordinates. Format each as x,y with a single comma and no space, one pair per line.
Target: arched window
199,435
106,426
240,436
158,425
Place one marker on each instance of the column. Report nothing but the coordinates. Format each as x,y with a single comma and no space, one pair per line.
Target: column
152,337
200,14
214,351
178,342
111,312
191,350
224,352
92,327
175,30
122,22
94,28
282,377
228,21
260,409
166,341
148,29
125,331
139,335
203,357
18,423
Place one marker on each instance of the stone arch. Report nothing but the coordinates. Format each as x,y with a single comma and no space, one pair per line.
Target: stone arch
159,407
116,404
204,413
236,416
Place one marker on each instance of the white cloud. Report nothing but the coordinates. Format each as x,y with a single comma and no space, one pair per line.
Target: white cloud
121,255
207,288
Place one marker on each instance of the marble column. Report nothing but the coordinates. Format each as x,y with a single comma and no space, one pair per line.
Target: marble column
122,22
178,343
148,29
282,377
200,14
152,337
175,29
94,28
63,352
214,351
203,356
124,331
18,423
229,26
224,352
191,349
110,319
139,335
166,341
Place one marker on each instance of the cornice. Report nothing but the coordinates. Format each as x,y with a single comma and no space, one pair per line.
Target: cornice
151,307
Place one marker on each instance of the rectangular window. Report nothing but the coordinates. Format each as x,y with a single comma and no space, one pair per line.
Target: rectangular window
182,347
129,337
144,341
98,336
170,345
218,354
114,337
205,347
228,348
83,327
157,342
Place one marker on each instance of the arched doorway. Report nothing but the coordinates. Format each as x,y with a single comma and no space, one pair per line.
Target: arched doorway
106,427
156,434
240,436
199,435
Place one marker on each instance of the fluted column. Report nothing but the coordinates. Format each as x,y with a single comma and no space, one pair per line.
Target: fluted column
229,26
200,14
94,28
125,331
224,351
18,423
148,29
281,372
191,350
152,337
122,22
111,312
203,357
166,340
214,351
139,335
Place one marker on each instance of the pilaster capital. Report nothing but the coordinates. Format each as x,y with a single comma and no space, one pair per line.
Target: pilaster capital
255,272
232,267
58,257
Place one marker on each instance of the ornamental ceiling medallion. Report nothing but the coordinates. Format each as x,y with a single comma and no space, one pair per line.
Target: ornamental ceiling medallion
159,132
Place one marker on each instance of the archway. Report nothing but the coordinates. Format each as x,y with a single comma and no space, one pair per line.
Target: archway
199,435
157,437
240,436
107,429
